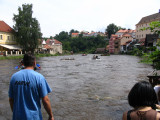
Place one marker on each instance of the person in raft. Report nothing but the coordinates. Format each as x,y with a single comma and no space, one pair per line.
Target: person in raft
26,90
142,98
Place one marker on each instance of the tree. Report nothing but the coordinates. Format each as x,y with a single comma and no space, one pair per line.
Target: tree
27,28
111,29
155,28
73,31
62,36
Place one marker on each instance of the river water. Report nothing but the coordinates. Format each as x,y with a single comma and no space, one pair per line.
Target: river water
83,89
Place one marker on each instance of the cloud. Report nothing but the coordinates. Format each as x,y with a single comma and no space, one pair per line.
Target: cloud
55,16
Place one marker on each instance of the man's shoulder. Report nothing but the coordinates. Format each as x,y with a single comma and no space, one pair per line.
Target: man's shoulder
36,73
25,71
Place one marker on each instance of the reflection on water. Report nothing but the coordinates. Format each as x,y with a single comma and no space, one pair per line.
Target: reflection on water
83,89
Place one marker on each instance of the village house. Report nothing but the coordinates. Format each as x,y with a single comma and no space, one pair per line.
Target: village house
8,44
144,23
124,41
74,34
52,46
119,42
114,44
92,34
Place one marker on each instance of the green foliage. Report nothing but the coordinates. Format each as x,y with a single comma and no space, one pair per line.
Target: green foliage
62,36
136,51
112,29
81,44
27,28
146,59
11,57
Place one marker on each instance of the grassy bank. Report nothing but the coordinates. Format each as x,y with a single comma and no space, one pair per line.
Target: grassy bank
11,57
146,59
21,56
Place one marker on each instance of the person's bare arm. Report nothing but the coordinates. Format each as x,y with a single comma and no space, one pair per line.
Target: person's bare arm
47,106
124,116
11,101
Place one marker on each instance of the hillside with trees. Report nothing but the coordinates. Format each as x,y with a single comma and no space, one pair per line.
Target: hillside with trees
80,44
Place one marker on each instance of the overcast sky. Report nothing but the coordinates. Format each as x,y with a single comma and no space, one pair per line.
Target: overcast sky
55,16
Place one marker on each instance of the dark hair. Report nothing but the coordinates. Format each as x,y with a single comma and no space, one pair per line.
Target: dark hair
28,59
142,94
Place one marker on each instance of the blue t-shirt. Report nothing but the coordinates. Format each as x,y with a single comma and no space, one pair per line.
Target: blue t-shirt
27,87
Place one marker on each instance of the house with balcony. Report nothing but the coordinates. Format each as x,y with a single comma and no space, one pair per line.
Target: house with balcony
121,32
124,42
119,42
7,40
52,46
114,47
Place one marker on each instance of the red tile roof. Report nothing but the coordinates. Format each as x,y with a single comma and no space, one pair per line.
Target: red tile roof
126,31
75,33
113,35
126,35
50,41
47,47
122,31
5,27
142,41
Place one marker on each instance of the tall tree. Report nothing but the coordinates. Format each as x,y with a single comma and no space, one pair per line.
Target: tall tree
27,28
111,29
62,36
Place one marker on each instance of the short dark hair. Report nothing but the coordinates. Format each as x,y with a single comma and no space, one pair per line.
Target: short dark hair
142,94
28,59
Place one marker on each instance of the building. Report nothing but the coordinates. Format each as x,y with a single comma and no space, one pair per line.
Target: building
114,44
124,41
121,32
151,40
7,40
144,23
92,34
75,35
52,46
119,42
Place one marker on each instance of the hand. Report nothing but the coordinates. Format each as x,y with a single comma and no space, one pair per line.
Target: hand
51,118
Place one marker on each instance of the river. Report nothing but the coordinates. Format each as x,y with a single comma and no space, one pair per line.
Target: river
83,89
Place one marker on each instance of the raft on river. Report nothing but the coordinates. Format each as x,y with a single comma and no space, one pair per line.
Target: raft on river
19,67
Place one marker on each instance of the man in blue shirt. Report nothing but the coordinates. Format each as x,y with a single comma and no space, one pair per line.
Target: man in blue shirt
27,89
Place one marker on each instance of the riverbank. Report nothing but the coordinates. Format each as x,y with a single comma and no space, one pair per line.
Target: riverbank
21,56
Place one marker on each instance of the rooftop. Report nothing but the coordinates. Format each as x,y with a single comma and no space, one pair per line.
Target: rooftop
150,18
5,27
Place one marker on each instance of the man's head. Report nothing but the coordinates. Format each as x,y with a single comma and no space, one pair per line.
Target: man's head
29,60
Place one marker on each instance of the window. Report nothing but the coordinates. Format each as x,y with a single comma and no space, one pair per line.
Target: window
1,37
8,37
